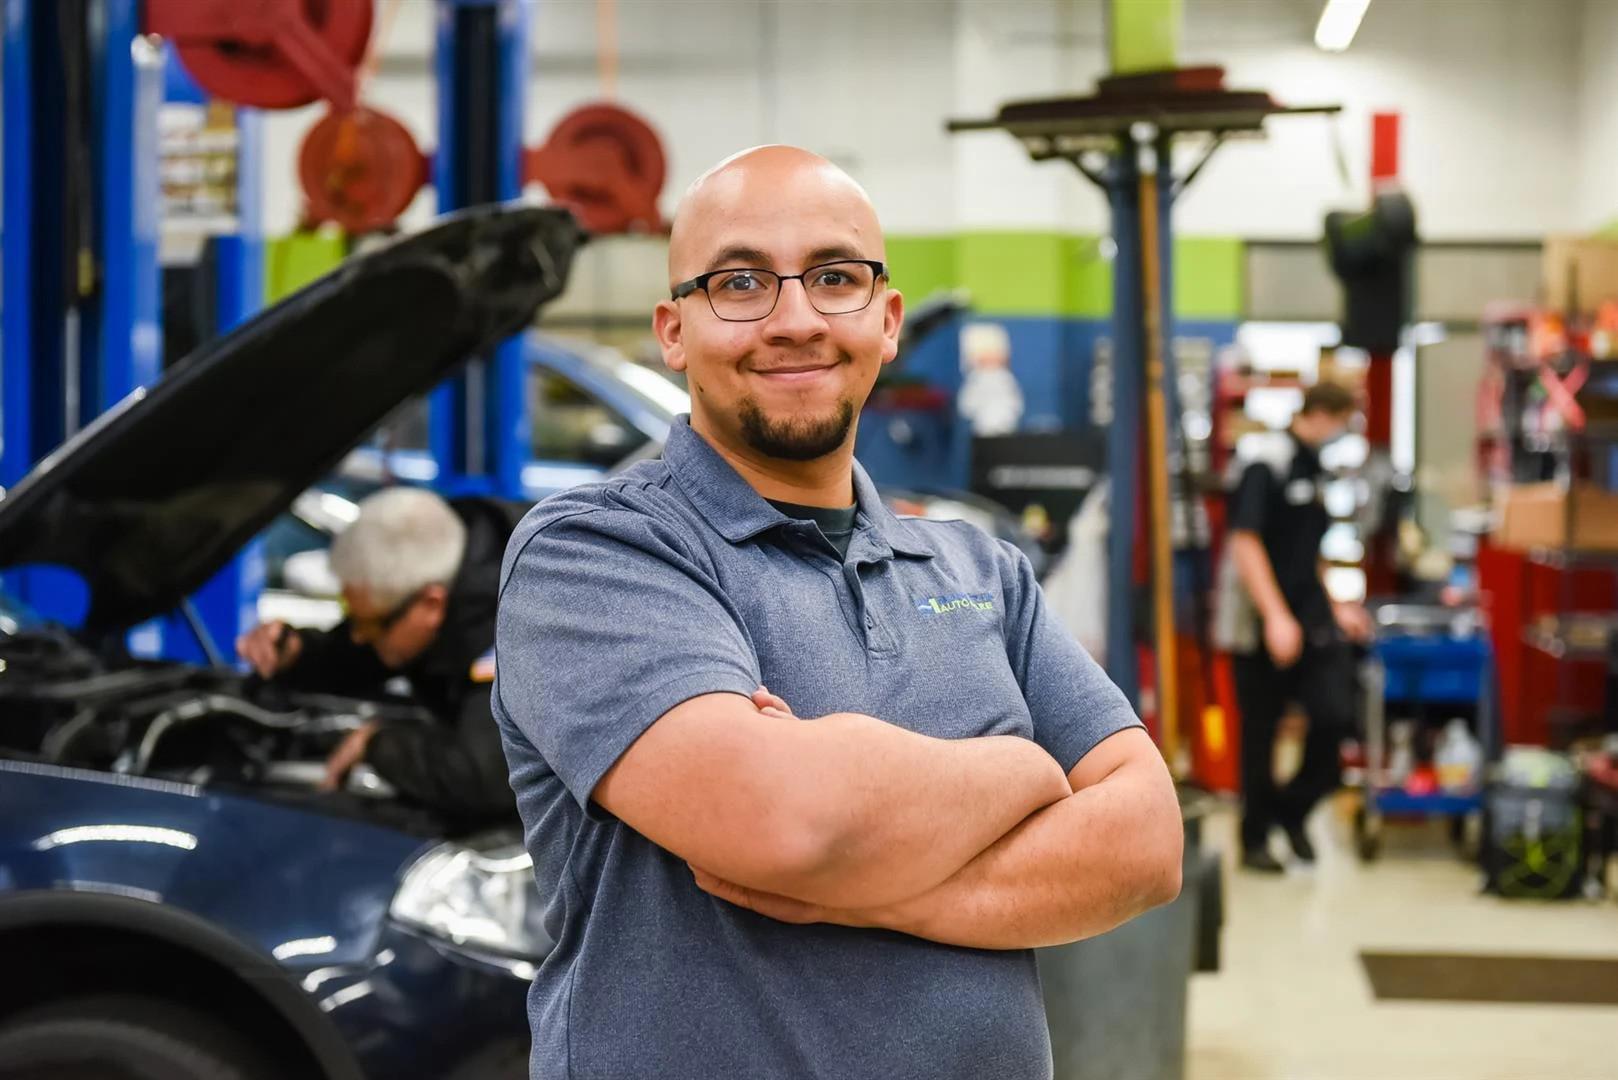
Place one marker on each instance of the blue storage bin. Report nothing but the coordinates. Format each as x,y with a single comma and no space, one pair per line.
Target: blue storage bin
1430,670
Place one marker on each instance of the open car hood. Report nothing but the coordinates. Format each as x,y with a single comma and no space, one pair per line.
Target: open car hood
158,494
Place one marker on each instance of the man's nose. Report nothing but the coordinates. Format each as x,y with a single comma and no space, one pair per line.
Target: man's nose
794,318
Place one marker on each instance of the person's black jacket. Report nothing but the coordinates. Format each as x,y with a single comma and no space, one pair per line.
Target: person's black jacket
455,766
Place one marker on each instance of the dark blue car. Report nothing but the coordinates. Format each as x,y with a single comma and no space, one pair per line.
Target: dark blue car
178,901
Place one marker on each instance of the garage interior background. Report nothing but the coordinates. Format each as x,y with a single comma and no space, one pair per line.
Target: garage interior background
1508,136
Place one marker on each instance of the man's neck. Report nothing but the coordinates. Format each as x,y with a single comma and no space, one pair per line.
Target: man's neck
826,481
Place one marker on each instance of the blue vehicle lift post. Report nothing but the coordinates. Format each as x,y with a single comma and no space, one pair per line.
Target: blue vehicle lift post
80,305
478,419
80,322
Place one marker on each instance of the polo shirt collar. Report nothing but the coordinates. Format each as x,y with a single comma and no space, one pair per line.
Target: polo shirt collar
739,513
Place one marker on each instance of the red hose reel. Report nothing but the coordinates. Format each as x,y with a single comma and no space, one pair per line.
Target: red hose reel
269,54
360,167
602,162
606,165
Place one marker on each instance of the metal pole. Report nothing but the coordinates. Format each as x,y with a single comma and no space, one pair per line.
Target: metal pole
1123,444
478,418
1157,474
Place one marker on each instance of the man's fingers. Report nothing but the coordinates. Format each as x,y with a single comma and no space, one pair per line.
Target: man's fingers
780,908
764,701
716,886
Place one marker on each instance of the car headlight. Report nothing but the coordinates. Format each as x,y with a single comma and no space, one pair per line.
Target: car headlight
481,898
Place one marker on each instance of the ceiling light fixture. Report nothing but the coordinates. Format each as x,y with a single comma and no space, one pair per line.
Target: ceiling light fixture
1339,21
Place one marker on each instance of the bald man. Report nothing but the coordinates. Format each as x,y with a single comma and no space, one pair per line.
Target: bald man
841,876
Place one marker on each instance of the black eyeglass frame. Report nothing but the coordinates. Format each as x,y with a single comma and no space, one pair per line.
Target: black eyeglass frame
385,622
686,288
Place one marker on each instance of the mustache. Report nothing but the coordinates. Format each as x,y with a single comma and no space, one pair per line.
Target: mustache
768,361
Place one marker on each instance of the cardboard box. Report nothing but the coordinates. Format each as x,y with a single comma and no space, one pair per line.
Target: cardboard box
1579,273
1331,369
1536,516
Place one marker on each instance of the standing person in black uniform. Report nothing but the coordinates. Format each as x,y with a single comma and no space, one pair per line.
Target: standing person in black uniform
419,585
1293,647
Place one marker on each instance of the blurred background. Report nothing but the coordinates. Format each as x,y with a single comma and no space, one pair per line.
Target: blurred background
1132,236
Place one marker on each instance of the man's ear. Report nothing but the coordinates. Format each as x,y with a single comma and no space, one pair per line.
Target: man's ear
436,599
667,326
893,320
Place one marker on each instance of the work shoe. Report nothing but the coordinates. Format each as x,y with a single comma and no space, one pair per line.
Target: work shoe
1301,847
1263,862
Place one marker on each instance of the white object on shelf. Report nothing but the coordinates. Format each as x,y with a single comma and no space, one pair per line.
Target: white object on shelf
1458,758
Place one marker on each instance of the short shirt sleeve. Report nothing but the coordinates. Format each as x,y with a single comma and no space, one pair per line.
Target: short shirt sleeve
1073,704
1250,502
607,621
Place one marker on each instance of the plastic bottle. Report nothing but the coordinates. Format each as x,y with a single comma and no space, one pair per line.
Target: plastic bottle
1458,758
1403,760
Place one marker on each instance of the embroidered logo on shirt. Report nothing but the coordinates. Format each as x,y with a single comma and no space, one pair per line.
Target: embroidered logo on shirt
944,605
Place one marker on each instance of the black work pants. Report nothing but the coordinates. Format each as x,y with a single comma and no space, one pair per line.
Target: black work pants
1322,681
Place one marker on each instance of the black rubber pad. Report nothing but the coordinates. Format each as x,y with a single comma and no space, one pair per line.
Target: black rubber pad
1547,980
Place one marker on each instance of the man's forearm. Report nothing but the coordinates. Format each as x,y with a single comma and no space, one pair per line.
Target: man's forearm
1070,871
1253,567
902,812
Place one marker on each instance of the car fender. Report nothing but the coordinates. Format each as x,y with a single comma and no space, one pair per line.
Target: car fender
269,982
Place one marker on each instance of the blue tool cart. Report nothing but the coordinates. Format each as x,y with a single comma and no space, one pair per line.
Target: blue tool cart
1428,663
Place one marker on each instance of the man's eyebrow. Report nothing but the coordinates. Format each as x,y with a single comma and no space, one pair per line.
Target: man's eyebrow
739,256
834,253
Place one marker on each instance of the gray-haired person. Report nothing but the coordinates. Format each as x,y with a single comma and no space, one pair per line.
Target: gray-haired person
419,577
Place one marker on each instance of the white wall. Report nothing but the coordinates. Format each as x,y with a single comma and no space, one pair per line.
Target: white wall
1495,95
1598,115
1487,91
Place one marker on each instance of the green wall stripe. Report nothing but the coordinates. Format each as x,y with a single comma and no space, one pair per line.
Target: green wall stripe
1089,279
1014,273
1060,274
1143,35
293,261
921,265
1208,277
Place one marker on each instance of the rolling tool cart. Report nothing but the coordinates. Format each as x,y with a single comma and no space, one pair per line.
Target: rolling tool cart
1428,663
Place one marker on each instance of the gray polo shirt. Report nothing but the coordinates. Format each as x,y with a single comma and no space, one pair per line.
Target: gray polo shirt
622,599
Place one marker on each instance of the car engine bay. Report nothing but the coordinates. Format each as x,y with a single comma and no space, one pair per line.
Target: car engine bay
63,703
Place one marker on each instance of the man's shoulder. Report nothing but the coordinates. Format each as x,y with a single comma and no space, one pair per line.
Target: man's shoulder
641,499
1272,452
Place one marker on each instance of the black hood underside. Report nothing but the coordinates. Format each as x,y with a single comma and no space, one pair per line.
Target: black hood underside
157,495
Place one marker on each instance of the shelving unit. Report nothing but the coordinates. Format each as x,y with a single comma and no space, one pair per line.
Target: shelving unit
1548,412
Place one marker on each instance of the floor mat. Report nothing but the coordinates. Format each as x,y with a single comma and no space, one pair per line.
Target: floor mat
1547,980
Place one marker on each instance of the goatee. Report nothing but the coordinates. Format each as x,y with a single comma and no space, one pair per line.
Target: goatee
796,438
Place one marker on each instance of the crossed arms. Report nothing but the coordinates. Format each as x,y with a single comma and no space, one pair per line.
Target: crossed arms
846,819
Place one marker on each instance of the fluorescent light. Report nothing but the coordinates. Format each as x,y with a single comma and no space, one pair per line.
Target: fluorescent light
1338,24
309,946
129,834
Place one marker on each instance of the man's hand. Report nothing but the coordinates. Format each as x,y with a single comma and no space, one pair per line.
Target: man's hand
1355,622
270,648
771,705
780,908
1283,637
349,753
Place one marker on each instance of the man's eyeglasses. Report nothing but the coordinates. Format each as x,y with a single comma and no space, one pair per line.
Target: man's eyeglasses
744,294
374,627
